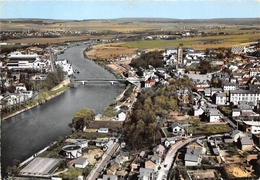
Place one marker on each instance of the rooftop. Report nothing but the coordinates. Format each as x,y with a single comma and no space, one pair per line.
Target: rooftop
252,123
40,166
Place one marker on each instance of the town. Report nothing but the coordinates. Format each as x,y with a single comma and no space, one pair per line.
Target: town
184,114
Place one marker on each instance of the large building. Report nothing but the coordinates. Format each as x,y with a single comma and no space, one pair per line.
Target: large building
237,96
17,60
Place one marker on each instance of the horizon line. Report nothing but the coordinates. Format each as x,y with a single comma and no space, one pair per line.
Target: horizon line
133,18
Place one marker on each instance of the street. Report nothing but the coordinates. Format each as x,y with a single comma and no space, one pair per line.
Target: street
169,158
105,158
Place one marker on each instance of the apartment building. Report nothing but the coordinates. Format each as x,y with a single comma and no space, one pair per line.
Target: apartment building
237,96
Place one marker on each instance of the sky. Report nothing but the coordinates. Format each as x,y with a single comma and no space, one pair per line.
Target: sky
110,9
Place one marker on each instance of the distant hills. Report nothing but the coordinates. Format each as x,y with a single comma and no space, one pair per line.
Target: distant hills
233,21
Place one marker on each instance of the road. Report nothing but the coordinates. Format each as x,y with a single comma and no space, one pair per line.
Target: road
169,158
101,165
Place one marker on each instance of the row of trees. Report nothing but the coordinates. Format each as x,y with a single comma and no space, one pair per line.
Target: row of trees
153,58
143,126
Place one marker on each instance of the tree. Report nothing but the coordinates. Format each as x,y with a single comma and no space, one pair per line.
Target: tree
82,118
153,58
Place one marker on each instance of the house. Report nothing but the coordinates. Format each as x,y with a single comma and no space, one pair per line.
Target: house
121,116
254,72
236,134
122,157
236,112
101,143
98,117
145,174
109,177
20,87
229,86
102,130
81,162
233,80
152,162
215,90
213,114
113,167
149,83
159,150
252,127
192,157
198,110
168,141
220,98
80,142
246,143
207,92
27,94
177,128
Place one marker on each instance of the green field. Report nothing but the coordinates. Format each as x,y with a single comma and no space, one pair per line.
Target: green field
196,42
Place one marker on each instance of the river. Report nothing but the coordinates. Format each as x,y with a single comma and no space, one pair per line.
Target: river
27,133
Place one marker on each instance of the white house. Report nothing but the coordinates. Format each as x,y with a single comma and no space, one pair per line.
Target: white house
102,130
197,110
177,128
236,112
252,126
121,116
213,114
81,162
229,86
20,87
221,98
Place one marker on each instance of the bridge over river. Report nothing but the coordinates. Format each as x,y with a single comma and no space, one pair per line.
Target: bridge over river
105,80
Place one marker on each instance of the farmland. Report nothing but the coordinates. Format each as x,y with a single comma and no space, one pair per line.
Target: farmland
131,33
198,43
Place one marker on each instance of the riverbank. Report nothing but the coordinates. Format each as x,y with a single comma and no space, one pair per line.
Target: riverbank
56,91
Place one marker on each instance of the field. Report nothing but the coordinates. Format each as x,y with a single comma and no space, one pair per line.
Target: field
52,40
97,25
198,43
237,34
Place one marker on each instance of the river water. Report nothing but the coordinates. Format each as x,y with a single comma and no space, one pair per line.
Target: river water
28,132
